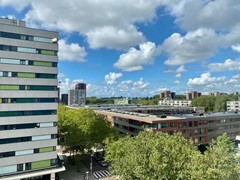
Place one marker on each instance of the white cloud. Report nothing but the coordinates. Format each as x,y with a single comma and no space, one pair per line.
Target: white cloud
177,82
112,77
114,38
18,5
236,47
218,15
134,58
236,76
195,45
140,86
71,52
66,84
204,80
179,71
227,65
104,23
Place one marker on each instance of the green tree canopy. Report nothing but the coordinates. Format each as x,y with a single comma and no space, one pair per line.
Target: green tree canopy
157,155
82,128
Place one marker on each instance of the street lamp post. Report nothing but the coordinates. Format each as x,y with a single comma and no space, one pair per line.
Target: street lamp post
91,164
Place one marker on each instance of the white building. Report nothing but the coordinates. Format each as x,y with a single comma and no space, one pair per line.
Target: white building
172,102
233,106
28,102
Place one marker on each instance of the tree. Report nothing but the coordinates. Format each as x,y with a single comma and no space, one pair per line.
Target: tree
157,155
82,128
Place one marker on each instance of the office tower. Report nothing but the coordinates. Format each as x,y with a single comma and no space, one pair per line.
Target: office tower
77,96
167,94
28,102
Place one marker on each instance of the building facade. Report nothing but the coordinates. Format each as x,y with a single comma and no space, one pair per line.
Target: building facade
233,106
77,96
167,94
28,101
201,128
192,95
172,102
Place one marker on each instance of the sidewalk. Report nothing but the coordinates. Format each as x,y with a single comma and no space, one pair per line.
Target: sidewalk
75,172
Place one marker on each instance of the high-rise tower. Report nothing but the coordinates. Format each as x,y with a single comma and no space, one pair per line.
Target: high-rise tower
28,101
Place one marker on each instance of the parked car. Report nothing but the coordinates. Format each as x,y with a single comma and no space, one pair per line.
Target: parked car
103,163
97,156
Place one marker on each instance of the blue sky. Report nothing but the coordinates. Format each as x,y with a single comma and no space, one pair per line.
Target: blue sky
139,48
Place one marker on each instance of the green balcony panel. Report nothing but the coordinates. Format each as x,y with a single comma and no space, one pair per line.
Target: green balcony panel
41,63
26,75
9,87
41,164
47,52
46,149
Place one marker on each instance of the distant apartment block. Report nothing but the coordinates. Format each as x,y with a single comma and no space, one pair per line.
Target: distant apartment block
77,96
192,95
172,102
201,128
167,94
217,94
233,106
28,102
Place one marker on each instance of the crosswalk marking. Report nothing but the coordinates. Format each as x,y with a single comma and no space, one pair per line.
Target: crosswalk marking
101,174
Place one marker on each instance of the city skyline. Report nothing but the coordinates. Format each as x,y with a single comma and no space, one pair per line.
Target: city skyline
140,48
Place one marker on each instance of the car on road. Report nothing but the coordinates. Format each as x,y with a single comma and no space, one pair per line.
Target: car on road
103,163
97,156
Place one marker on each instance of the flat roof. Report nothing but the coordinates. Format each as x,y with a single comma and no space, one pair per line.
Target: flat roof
148,118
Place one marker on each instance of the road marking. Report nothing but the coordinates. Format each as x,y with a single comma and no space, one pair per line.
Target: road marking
101,174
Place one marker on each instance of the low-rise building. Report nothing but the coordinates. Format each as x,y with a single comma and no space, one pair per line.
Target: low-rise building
201,128
233,105
172,102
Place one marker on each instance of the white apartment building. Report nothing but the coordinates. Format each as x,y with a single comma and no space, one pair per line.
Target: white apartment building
28,102
233,106
172,102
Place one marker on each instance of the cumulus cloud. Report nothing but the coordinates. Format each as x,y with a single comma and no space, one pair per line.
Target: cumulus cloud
177,82
205,79
103,23
71,52
140,85
18,5
114,38
195,45
236,47
66,84
179,71
227,65
112,77
134,59
191,14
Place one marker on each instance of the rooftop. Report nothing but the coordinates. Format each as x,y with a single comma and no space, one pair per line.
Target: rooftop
158,118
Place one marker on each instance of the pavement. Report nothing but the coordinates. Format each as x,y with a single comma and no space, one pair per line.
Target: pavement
79,170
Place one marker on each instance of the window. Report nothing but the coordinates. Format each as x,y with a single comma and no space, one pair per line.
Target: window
195,140
195,131
8,169
28,166
24,152
201,131
195,123
190,123
171,124
41,164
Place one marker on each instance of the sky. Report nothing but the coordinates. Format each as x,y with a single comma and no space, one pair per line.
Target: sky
138,48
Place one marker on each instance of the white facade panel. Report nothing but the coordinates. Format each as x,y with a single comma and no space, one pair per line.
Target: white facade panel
27,145
28,132
29,94
27,106
27,119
